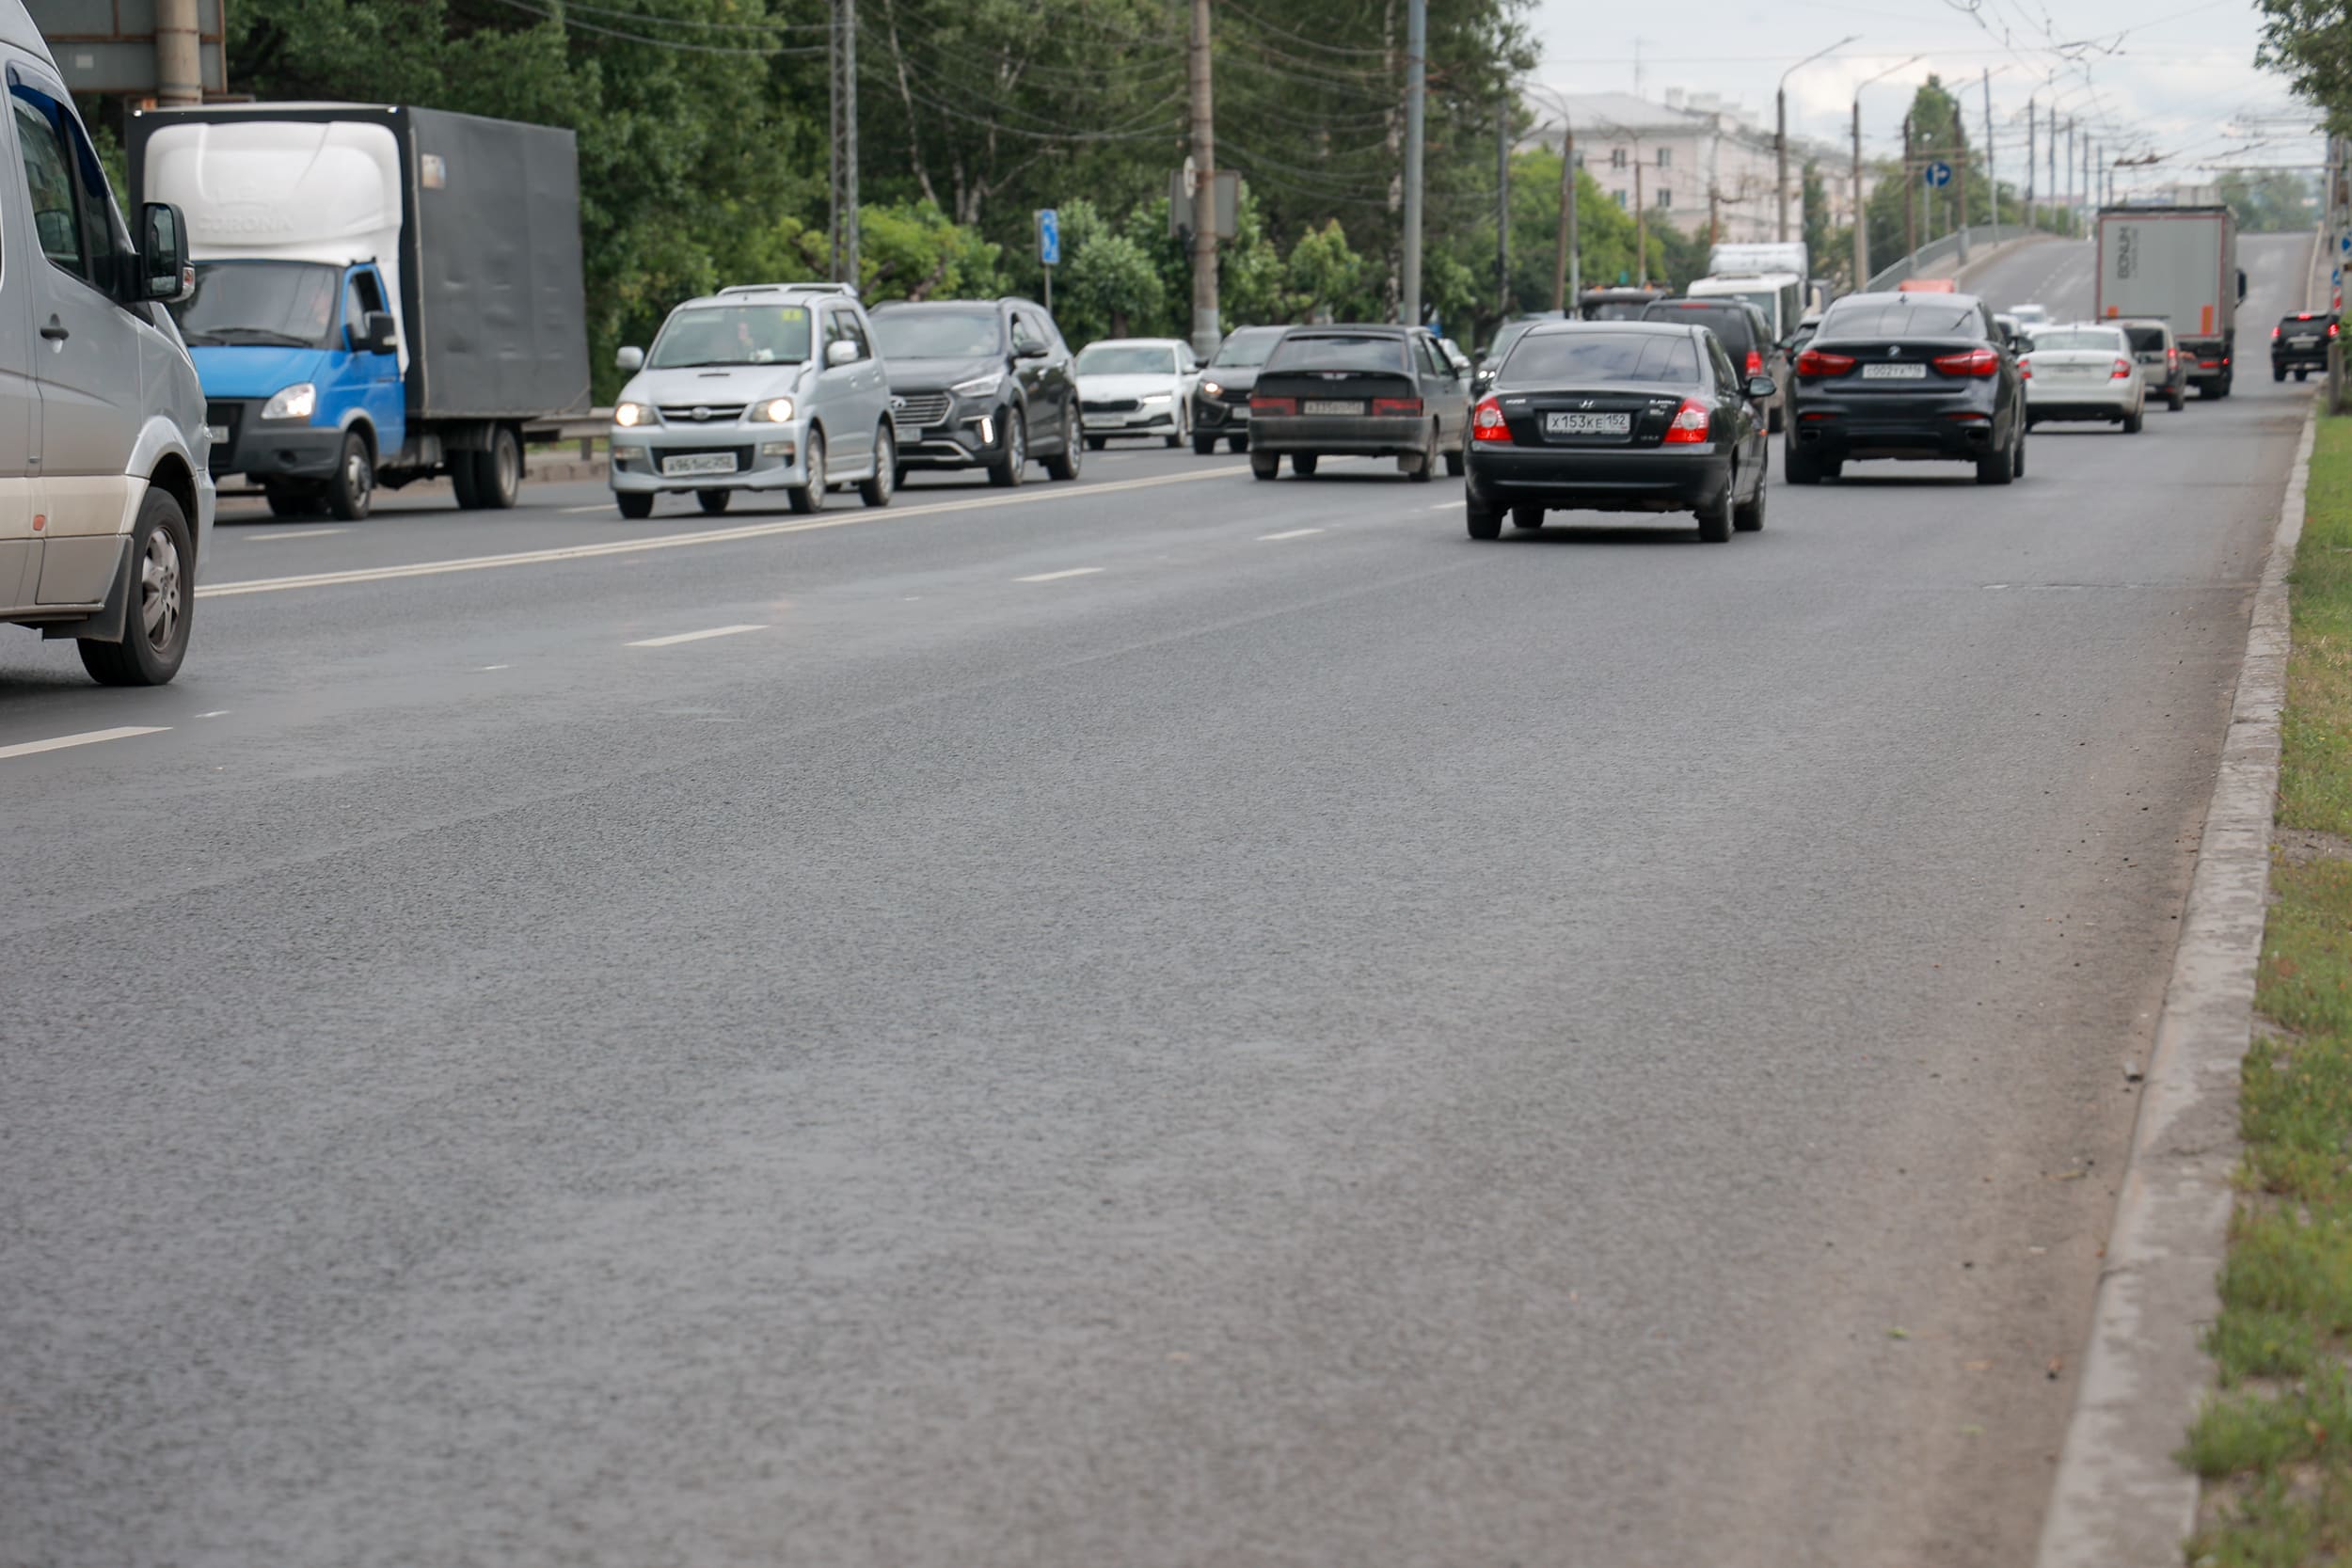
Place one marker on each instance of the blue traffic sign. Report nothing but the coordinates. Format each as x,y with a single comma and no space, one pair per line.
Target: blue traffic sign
1049,237
2345,243
1937,174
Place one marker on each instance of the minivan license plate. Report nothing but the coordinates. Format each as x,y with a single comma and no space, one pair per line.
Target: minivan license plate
699,463
1894,372
1588,425
1325,405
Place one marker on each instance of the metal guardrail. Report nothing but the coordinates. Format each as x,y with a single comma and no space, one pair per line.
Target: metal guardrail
1952,247
587,428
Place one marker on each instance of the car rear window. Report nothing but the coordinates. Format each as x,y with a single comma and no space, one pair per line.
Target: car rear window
1910,316
1296,352
2099,339
2145,339
1730,322
2307,323
1565,358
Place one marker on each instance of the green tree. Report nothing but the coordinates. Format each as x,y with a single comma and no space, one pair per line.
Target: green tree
2310,42
2272,203
1816,209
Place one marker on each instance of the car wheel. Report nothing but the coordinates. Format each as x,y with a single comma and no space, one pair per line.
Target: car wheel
1303,464
878,490
1750,518
1801,466
2000,465
713,501
1064,463
1456,464
2176,400
636,505
1012,467
811,496
2133,420
1483,521
1715,520
2278,372
1096,443
1183,431
352,491
1203,445
1237,444
1264,465
2017,469
498,471
155,619
287,500
1774,421
1833,468
2302,374
1529,516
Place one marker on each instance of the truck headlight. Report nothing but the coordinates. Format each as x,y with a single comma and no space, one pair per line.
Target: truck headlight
297,402
770,411
979,386
629,415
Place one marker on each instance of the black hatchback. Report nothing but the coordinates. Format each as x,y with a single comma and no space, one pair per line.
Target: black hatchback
1907,376
1619,417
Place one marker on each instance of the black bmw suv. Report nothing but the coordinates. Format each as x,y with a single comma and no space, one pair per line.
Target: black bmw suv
980,383
2299,343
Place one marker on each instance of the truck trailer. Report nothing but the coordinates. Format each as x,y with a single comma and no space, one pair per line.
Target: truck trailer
382,294
2179,266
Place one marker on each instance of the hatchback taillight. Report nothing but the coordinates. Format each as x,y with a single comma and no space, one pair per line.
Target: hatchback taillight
1395,408
1974,362
1689,425
1487,423
1813,364
1258,407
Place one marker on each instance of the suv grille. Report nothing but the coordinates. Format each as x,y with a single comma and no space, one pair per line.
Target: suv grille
684,413
918,411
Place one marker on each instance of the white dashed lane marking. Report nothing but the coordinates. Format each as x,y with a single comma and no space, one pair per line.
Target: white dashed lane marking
1057,576
88,738
1288,533
676,637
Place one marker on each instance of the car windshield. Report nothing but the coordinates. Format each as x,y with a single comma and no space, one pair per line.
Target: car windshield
1124,359
732,335
1904,316
287,304
939,334
1615,310
1245,349
2145,339
1565,359
2304,324
1314,352
2096,340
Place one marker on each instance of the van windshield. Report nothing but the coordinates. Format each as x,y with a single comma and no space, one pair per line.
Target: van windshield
287,304
732,335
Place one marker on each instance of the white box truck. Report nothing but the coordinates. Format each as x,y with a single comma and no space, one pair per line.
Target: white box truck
2179,266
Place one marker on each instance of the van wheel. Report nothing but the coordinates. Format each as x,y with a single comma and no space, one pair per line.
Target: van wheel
713,501
498,473
155,619
878,490
636,505
352,491
810,497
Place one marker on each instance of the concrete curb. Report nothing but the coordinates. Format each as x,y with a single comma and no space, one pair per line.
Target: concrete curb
2120,1497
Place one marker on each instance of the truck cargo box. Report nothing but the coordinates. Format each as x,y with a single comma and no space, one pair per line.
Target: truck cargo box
2176,263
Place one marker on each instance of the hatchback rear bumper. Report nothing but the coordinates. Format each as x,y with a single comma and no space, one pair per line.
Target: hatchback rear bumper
1360,434
1601,479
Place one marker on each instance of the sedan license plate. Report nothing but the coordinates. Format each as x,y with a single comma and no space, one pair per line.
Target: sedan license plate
699,463
1894,372
1327,406
1588,425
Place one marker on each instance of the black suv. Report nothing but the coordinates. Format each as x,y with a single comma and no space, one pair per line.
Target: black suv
2299,343
1746,334
1220,400
980,383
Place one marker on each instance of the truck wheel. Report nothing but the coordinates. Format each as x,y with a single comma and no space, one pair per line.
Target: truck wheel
461,483
155,620
353,489
713,501
498,473
636,505
810,497
878,490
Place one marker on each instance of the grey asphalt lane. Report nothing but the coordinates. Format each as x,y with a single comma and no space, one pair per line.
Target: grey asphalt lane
1115,1029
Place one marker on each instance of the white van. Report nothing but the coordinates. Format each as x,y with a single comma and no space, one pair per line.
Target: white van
1781,295
105,501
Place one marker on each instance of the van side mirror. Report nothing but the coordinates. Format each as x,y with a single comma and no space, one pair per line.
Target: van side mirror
630,359
164,272
2241,285
378,334
840,352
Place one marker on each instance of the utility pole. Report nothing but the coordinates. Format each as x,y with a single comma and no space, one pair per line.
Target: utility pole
1415,49
2031,158
1564,257
1503,209
1861,215
2053,154
179,54
1641,224
1207,337
2070,175
1991,168
1960,187
1780,132
849,143
1910,221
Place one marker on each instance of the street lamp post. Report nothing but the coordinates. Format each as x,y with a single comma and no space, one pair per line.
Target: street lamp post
1862,218
1780,133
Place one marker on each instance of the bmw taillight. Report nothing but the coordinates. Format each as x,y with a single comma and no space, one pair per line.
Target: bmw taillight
1690,423
1258,407
1814,365
1974,362
1487,423
1395,408
2122,369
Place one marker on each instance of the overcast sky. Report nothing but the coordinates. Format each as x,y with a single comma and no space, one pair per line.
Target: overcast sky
2176,77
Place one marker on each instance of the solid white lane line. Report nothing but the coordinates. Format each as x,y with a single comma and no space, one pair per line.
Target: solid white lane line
1288,533
708,536
1057,576
297,534
676,637
88,738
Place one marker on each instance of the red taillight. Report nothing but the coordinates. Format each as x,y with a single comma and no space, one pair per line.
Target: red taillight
1487,424
1261,406
2172,359
1689,425
2332,329
2122,369
2208,364
1755,363
1393,406
1974,362
2274,334
2025,369
1812,365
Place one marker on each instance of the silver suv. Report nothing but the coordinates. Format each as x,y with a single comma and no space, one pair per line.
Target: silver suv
763,388
2162,366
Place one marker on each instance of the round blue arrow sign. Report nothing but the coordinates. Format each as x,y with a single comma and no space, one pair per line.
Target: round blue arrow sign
1937,174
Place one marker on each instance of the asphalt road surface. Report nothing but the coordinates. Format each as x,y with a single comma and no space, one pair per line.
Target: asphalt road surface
1167,1020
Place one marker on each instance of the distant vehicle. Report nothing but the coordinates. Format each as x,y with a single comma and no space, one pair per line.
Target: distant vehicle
1753,256
1455,356
2177,265
1803,334
1619,417
2083,371
1136,387
2162,366
1619,303
2031,316
105,502
2012,335
2299,343
1372,391
1779,296
1747,337
1927,286
1911,377
1507,334
765,387
382,293
981,384
1220,401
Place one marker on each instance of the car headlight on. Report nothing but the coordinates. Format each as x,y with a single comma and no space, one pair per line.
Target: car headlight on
1150,398
979,386
297,402
1213,390
770,411
629,415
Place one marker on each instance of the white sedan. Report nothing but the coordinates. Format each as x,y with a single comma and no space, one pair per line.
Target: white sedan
2083,371
1136,387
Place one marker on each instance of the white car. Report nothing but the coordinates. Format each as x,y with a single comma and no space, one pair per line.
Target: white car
2031,316
1136,387
2086,370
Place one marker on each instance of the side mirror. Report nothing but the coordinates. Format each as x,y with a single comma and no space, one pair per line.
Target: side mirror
378,334
630,359
840,352
1033,351
2241,285
164,272
1761,387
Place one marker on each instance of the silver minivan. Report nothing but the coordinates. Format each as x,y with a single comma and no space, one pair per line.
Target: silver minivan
105,502
767,386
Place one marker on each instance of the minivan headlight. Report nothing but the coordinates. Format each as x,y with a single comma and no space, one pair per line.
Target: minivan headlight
629,415
770,411
297,402
979,386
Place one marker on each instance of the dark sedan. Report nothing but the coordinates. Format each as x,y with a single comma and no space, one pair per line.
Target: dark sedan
1911,376
1364,391
1619,417
1220,401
